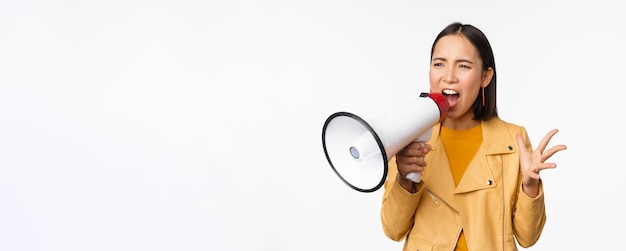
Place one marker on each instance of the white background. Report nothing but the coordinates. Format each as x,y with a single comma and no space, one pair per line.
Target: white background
196,125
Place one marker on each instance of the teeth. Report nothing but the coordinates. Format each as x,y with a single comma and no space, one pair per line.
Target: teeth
450,92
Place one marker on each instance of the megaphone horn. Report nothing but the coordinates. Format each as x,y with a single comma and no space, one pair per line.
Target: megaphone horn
358,150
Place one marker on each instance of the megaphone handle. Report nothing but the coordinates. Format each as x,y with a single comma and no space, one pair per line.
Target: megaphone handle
415,176
422,139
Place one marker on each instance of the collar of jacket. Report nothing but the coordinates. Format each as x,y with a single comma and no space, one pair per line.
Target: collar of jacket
497,140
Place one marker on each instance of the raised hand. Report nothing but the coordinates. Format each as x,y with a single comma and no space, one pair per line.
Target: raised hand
532,163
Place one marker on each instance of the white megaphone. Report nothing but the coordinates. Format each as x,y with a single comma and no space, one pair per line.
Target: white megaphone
359,150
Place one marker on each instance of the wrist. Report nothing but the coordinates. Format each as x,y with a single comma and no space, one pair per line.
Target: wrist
407,184
531,188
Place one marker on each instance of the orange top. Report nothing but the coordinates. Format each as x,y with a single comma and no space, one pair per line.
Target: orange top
461,145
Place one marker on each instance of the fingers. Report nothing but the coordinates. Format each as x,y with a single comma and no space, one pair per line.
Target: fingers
407,165
413,154
411,158
544,166
536,160
547,154
414,151
410,161
544,142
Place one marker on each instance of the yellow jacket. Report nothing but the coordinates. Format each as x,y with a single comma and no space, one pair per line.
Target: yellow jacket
488,204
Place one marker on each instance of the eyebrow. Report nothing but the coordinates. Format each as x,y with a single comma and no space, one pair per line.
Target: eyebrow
457,61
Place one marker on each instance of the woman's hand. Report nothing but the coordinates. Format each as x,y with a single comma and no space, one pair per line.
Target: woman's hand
411,159
532,163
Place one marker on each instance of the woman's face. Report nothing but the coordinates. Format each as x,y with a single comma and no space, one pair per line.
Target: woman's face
456,71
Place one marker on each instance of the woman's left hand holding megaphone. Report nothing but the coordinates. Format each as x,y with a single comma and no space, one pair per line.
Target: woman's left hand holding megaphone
411,159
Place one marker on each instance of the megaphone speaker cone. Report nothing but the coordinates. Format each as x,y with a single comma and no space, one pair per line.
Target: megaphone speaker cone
354,151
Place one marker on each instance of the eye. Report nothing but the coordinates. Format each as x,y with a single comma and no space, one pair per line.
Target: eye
437,64
465,66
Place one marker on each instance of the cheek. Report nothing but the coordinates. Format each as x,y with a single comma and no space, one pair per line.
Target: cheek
434,78
471,93
472,81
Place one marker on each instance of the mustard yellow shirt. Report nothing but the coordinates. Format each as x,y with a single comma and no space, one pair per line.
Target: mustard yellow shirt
461,145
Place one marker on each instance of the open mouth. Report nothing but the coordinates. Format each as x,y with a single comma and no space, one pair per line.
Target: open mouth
452,96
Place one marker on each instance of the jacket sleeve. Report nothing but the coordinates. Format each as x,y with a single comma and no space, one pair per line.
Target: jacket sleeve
529,216
398,206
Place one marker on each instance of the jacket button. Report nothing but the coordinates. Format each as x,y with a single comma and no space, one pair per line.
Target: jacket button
510,148
489,182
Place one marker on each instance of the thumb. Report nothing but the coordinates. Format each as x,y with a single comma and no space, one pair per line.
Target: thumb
520,143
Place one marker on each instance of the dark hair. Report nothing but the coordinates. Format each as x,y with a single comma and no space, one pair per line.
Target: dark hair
479,40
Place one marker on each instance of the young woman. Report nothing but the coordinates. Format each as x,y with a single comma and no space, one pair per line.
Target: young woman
480,187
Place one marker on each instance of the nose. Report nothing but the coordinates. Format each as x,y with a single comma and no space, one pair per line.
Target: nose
450,75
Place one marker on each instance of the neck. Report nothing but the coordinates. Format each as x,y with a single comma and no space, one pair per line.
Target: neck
465,122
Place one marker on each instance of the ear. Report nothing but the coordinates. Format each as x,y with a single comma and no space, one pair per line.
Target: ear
487,76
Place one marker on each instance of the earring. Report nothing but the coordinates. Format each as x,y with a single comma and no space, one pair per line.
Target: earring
483,92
